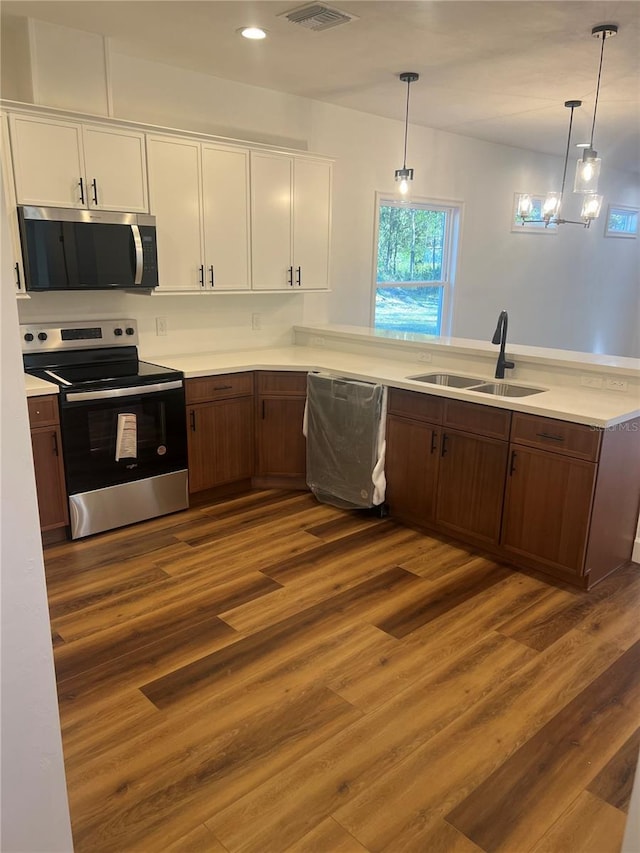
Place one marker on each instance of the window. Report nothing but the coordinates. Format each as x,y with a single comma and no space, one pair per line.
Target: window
415,263
622,221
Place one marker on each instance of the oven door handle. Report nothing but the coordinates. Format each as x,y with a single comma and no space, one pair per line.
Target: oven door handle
123,392
137,242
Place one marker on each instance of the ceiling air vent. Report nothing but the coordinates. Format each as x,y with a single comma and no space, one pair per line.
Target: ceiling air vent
318,17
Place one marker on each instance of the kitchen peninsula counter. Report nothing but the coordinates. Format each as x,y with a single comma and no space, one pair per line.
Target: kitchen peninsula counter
565,398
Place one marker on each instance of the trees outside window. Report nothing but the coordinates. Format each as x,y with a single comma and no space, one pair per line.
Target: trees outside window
416,244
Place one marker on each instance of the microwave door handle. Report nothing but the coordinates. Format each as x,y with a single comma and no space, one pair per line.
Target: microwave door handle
137,243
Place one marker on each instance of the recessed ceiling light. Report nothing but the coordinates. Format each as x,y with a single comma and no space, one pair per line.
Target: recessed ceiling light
255,33
583,145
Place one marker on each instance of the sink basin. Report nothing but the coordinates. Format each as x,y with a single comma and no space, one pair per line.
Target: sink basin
503,389
449,379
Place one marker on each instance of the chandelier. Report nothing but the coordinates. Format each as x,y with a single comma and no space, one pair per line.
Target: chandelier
587,169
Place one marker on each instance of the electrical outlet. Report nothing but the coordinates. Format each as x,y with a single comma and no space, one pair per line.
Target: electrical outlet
615,384
316,341
592,381
424,356
161,326
256,322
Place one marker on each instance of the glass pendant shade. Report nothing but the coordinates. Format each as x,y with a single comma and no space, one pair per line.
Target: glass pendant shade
404,178
525,206
591,206
587,173
551,205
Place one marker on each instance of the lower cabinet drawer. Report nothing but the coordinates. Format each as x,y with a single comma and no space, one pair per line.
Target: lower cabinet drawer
576,440
43,411
218,387
413,404
282,383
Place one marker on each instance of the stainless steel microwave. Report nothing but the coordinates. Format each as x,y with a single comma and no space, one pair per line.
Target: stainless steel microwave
67,249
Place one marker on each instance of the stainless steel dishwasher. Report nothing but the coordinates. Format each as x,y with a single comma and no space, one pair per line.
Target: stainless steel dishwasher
345,426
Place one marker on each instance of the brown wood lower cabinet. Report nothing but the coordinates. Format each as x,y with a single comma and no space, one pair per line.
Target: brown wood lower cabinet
449,478
548,508
220,431
46,444
280,443
412,468
471,484
561,497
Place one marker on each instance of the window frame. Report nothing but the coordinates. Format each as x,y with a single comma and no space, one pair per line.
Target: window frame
450,253
612,209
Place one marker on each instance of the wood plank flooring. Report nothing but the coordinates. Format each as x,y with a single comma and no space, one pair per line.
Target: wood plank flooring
270,675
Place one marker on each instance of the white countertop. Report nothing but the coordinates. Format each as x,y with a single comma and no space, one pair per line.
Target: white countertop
38,387
580,405
596,407
620,365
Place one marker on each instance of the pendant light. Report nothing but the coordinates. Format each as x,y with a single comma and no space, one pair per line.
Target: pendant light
588,168
404,176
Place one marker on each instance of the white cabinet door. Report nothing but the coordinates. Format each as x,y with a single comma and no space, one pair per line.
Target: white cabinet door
174,197
9,202
271,238
225,200
115,169
311,223
47,162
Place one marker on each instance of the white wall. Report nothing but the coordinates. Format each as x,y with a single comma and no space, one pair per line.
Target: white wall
575,290
35,814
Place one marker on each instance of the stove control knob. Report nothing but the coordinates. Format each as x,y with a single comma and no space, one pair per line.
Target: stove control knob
117,332
28,337
42,336
130,331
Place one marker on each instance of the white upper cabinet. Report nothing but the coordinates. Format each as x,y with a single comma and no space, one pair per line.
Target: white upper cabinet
311,223
225,217
174,196
290,221
9,202
66,164
199,194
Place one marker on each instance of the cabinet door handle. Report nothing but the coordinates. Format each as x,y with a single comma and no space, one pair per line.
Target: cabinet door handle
433,441
95,191
192,420
55,444
201,275
445,439
18,281
512,464
211,276
290,276
550,436
81,185
222,387
299,276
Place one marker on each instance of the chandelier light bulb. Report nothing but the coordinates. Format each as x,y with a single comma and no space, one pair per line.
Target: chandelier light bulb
525,206
591,207
551,205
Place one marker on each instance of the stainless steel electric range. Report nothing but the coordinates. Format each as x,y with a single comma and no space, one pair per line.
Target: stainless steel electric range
122,421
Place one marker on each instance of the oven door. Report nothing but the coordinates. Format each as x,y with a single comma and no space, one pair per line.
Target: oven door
121,435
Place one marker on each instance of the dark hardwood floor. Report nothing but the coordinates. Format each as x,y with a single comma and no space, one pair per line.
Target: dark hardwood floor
269,674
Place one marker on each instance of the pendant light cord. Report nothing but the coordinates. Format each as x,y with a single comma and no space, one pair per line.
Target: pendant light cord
595,105
406,126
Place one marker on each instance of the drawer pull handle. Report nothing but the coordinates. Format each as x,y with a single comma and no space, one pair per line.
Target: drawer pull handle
550,436
222,387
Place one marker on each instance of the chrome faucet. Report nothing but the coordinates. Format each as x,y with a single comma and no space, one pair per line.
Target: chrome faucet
500,337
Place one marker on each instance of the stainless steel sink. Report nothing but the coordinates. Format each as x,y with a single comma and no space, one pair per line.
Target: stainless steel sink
504,389
449,379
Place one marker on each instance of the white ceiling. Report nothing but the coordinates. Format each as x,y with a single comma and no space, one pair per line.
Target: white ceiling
498,70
